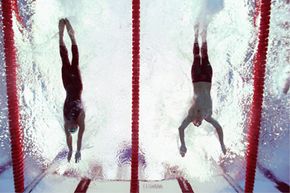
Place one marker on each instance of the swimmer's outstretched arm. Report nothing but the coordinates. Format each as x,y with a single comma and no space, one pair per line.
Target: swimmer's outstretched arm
81,123
181,129
69,143
219,131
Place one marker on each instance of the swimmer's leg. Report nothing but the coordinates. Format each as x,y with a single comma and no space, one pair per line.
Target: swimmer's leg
195,44
61,25
75,52
204,54
63,54
64,57
74,48
195,68
204,34
62,48
70,31
75,55
205,64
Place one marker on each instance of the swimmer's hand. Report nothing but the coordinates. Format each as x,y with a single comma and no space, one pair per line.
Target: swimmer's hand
224,149
78,156
182,150
69,155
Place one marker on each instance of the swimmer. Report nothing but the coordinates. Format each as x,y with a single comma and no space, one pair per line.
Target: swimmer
73,110
201,109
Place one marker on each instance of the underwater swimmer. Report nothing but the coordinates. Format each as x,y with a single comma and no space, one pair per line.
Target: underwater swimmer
201,109
73,111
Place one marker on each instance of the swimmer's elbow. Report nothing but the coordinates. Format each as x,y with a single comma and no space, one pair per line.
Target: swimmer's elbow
184,124
180,129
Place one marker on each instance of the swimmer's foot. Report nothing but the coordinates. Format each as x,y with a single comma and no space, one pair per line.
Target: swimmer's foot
203,36
182,150
61,25
196,29
70,29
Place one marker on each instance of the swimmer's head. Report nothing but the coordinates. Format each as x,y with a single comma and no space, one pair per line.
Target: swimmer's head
71,125
72,129
197,118
196,122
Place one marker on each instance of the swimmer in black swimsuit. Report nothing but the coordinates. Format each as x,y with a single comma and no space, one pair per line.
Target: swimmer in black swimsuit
201,108
73,111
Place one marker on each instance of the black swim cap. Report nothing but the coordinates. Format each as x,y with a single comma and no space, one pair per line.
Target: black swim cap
73,129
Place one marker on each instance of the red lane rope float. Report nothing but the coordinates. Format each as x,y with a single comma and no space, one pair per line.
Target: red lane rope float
83,185
17,14
12,99
256,11
134,185
256,108
184,185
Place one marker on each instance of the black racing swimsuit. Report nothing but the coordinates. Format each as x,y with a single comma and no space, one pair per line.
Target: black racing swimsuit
72,83
201,70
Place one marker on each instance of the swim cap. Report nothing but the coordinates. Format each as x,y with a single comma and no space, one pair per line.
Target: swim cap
72,129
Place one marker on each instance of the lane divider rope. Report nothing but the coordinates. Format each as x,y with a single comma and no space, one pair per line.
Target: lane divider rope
83,185
134,185
184,185
257,101
16,132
